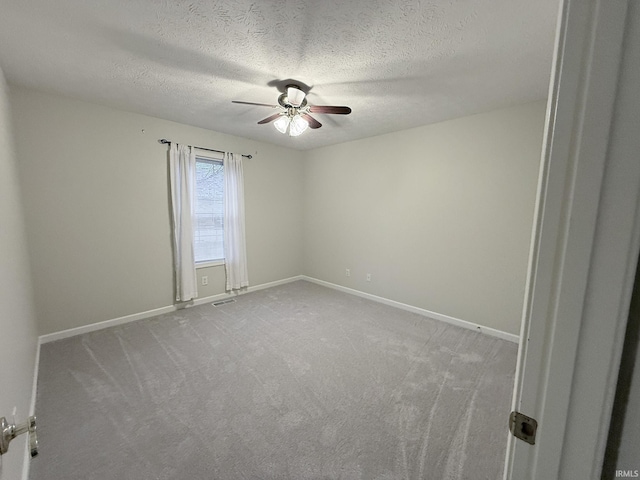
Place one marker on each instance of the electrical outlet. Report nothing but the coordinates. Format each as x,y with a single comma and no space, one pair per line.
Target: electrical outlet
205,280
348,272
368,277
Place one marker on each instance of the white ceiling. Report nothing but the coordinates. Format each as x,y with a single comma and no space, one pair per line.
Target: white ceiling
397,64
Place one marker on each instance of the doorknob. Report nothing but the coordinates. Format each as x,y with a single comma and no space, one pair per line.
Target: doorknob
10,431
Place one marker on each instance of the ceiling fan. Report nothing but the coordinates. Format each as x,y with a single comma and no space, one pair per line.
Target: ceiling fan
294,112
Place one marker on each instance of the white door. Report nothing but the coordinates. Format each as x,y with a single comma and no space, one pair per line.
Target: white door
585,243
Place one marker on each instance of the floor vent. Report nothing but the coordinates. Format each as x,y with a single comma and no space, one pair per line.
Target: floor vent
223,302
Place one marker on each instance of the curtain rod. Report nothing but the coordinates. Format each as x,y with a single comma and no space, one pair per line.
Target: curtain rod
167,142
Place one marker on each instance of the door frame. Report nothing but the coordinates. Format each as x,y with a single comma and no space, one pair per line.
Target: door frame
585,244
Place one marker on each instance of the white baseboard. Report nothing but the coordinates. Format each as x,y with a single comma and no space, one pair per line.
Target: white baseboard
51,337
420,311
34,387
72,332
224,296
276,283
26,464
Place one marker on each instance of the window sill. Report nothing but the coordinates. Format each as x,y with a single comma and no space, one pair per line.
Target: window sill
213,263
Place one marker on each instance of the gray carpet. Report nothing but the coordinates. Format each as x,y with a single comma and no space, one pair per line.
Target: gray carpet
293,382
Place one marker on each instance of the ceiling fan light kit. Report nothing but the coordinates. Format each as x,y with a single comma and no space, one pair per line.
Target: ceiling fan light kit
282,124
295,123
294,116
297,126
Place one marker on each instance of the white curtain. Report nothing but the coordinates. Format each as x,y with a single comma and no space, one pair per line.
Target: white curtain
182,171
235,250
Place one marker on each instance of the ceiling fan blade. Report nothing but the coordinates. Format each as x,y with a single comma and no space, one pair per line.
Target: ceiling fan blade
252,103
329,109
313,123
270,119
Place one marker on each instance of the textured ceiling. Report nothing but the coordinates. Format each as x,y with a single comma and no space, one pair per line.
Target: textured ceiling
397,64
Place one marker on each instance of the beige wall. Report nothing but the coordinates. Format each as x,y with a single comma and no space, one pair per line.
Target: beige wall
440,215
17,314
97,208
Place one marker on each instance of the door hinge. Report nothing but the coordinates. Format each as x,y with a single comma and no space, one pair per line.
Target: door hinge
523,427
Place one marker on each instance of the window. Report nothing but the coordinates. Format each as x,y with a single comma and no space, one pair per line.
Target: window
209,210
